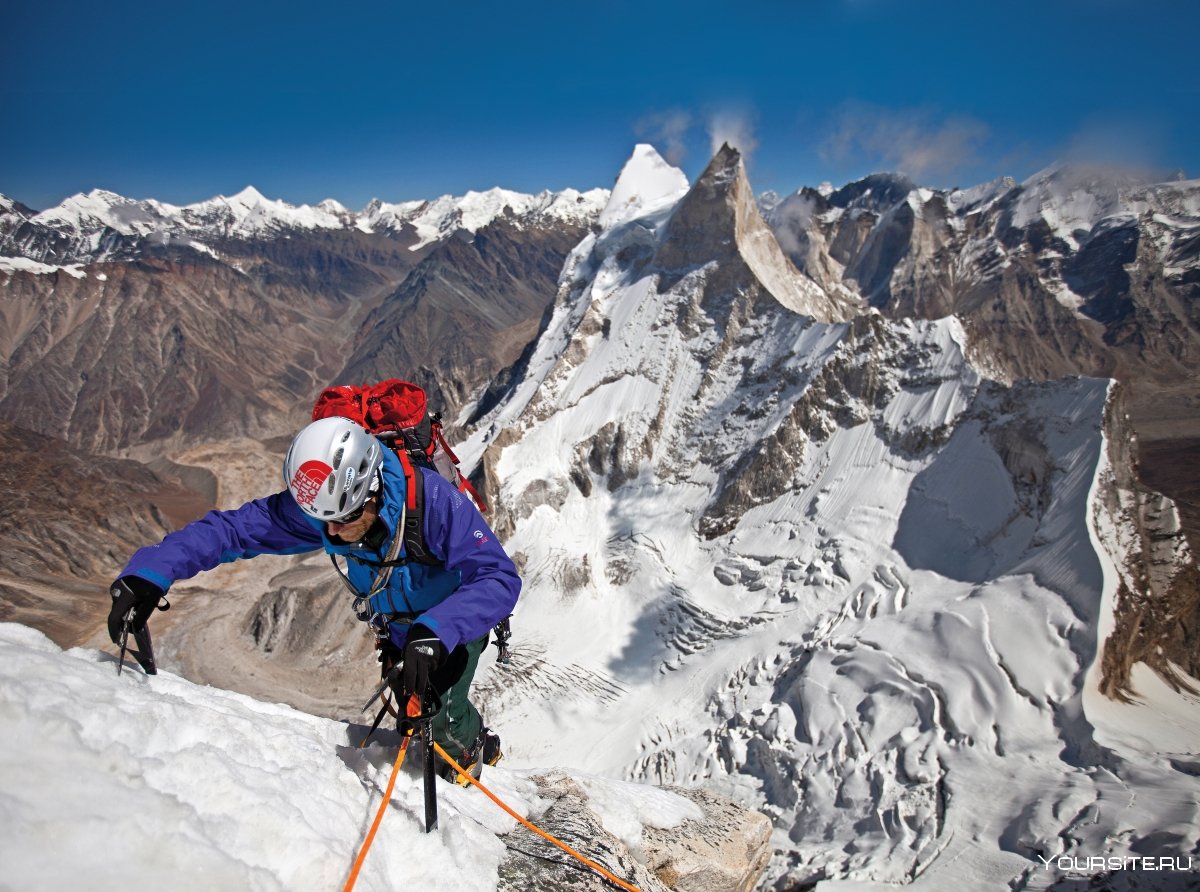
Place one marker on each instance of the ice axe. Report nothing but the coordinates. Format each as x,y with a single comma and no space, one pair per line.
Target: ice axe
144,654
419,719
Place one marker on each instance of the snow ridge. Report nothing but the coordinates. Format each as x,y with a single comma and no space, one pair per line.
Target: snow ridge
434,220
99,223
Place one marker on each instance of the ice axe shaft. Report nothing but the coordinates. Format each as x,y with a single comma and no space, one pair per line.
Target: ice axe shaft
124,642
145,652
419,719
431,817
145,647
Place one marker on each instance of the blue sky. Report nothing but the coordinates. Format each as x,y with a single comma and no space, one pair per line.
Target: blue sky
182,101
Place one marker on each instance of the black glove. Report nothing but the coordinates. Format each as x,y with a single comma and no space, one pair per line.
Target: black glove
131,593
423,653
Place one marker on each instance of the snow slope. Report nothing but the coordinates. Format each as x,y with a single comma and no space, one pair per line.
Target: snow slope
127,781
827,569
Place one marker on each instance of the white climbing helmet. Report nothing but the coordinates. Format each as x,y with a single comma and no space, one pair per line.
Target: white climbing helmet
330,468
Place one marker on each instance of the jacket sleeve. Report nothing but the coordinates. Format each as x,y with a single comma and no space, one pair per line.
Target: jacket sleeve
272,525
457,534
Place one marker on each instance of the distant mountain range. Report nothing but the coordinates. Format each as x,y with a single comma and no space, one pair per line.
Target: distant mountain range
1074,271
142,321
103,226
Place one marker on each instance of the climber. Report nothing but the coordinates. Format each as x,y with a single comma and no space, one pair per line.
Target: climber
348,493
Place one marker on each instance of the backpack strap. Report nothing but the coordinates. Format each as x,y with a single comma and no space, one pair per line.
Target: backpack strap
414,516
416,550
464,485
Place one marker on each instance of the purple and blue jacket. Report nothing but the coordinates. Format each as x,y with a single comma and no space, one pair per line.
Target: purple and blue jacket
475,587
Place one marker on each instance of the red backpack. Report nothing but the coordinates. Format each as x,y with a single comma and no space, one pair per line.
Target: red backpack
397,412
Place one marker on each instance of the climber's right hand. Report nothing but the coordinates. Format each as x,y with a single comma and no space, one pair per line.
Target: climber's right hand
131,593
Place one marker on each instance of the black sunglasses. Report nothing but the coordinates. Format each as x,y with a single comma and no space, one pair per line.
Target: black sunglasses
353,515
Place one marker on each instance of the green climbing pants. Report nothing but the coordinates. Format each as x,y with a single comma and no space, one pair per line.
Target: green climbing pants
458,725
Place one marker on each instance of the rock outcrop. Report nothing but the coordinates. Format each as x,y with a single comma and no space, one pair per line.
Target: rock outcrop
1157,611
719,221
725,849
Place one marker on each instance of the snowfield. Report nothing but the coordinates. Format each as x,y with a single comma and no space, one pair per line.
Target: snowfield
154,782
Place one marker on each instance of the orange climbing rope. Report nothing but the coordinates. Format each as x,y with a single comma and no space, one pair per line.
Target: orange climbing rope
387,797
542,833
413,708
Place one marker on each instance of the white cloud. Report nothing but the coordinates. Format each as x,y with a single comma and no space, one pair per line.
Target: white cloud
733,126
791,220
911,141
667,130
673,130
1124,140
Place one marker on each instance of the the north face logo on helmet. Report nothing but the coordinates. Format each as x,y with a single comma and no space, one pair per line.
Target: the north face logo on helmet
307,481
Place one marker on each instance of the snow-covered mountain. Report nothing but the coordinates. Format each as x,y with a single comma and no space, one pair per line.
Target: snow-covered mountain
434,220
820,561
141,321
1074,271
102,225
